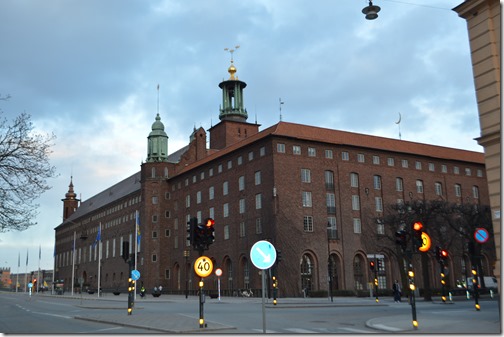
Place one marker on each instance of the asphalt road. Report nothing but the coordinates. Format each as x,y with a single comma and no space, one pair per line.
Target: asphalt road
175,314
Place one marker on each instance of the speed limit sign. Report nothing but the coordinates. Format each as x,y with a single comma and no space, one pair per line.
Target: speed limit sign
203,266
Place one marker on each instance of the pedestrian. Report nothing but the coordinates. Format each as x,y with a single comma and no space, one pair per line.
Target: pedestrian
396,287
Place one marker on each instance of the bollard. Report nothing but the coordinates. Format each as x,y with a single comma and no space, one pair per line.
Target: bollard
491,293
467,295
450,296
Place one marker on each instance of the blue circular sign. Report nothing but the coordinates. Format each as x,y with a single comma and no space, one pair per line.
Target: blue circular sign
481,235
135,274
263,254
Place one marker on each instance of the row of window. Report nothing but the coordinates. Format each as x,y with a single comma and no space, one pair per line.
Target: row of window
361,158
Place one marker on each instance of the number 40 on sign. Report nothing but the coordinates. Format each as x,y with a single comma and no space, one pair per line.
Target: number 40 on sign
203,266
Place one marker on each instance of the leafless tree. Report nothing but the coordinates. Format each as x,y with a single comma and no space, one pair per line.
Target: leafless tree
24,170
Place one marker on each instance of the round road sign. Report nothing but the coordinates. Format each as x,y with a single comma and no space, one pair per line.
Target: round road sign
203,266
135,275
218,272
481,235
263,254
426,242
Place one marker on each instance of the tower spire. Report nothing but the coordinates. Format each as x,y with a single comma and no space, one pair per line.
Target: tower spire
232,94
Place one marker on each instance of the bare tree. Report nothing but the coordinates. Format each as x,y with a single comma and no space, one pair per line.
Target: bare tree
24,170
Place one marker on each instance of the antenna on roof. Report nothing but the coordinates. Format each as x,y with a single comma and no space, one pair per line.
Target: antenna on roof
280,105
158,98
399,125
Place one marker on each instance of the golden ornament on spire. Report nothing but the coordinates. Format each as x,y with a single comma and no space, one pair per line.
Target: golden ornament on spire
232,68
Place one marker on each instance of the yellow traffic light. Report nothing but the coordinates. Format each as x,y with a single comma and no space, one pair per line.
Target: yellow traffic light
200,284
411,273
412,286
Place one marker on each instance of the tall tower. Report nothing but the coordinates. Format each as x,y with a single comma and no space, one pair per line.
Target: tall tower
157,143
233,125
232,96
70,203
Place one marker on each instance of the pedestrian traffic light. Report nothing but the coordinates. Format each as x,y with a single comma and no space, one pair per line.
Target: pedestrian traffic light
371,265
417,235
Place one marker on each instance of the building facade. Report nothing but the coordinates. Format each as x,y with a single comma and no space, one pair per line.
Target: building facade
317,194
484,27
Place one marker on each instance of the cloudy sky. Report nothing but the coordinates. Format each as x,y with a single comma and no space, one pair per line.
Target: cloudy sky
89,70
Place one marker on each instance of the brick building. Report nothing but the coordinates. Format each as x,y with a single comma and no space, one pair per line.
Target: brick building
317,194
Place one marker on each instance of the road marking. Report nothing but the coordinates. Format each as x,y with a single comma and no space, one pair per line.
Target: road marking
54,315
299,330
267,331
357,330
385,327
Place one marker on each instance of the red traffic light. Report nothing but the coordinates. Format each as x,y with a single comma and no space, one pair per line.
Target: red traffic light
444,254
417,226
371,265
209,222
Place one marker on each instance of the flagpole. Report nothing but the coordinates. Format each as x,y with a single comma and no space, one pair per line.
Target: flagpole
73,264
26,271
38,271
99,258
17,273
54,268
136,239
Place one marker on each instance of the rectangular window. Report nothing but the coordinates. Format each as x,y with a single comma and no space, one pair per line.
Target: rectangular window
328,154
355,203
202,175
354,179
198,197
225,210
399,184
312,152
194,179
188,201
262,151
377,182
475,191
305,176
258,226
211,192
226,232
345,155
258,201
332,230
225,188
438,188
307,199
432,167
379,204
296,149
361,158
404,163
376,160
331,203
419,186
479,173
390,161
329,180
167,274
154,200
242,206
380,227
418,165
242,229
211,212
280,148
456,170
239,160
219,168
210,172
250,155
458,190
229,164
257,178
357,226
241,183
444,169
467,171
308,223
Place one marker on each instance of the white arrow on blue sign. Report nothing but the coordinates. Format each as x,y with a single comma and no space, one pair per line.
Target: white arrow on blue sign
263,254
135,275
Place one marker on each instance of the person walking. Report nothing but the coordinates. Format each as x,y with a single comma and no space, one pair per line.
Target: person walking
396,287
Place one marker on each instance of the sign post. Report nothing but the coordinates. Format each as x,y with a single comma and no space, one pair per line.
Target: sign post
263,255
218,272
203,267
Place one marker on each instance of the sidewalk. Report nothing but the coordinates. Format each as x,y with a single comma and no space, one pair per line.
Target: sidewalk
178,323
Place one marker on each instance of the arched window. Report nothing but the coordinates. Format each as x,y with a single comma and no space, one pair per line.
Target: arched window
306,273
358,272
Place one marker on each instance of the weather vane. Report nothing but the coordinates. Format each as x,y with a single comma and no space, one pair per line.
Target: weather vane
231,51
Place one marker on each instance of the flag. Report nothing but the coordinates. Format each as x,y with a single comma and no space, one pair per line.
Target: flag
98,236
137,222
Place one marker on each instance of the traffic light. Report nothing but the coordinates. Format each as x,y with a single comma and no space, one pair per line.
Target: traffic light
417,235
191,224
209,232
131,289
371,265
444,255
125,251
279,255
401,239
